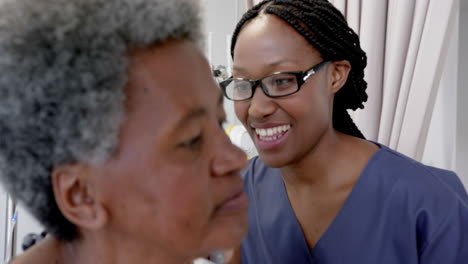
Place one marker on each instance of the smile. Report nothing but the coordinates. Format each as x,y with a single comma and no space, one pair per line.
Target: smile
272,133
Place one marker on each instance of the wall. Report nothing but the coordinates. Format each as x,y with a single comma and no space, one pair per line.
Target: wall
221,17
462,119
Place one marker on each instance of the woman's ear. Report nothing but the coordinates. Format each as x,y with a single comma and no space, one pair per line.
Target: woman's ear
339,75
74,196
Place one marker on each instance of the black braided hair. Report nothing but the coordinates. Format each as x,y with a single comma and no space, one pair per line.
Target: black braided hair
325,28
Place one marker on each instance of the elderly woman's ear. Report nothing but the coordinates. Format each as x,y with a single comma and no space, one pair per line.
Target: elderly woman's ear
75,197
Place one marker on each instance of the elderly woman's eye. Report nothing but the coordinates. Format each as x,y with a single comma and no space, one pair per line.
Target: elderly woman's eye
192,143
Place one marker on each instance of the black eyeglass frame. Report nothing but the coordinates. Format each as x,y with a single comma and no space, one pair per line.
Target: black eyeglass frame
301,78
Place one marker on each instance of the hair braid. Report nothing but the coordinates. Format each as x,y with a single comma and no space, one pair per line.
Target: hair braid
325,28
346,123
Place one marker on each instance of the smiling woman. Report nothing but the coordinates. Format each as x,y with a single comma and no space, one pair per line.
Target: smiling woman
122,158
320,192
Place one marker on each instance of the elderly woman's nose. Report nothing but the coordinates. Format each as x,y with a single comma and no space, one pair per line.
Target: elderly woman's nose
229,158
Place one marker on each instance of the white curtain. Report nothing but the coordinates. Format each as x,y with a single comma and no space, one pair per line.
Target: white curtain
407,42
442,148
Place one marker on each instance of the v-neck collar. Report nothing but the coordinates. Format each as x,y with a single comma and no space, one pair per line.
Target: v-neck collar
288,237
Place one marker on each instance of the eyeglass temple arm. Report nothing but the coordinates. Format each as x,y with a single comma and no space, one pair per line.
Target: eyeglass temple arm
313,70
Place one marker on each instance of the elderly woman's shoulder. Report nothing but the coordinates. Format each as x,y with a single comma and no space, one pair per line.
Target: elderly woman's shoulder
45,252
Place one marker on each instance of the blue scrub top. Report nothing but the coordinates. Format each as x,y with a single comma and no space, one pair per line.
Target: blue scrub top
399,211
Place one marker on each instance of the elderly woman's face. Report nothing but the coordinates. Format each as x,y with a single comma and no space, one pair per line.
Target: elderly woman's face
174,182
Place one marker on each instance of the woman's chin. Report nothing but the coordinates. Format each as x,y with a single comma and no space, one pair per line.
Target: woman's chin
274,160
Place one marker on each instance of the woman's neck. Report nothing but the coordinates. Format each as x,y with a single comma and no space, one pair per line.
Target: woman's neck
336,160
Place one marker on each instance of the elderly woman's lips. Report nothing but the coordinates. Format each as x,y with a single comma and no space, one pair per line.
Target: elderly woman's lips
238,202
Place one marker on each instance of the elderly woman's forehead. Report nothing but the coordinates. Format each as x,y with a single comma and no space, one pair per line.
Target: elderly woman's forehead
175,71
167,63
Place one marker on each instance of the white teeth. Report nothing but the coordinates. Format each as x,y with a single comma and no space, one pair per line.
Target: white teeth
269,132
270,138
272,133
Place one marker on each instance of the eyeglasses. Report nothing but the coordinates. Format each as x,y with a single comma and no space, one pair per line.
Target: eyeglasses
274,85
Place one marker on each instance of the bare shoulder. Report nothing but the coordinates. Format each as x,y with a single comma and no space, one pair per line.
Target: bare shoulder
45,252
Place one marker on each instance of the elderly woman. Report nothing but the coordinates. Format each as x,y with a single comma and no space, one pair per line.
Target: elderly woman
111,134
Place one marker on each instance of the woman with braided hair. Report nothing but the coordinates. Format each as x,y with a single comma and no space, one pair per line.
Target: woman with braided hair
319,192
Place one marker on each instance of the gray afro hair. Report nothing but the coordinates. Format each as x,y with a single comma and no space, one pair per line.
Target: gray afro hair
63,69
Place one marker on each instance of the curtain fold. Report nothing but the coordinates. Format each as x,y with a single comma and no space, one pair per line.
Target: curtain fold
353,15
400,15
406,42
429,65
443,153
